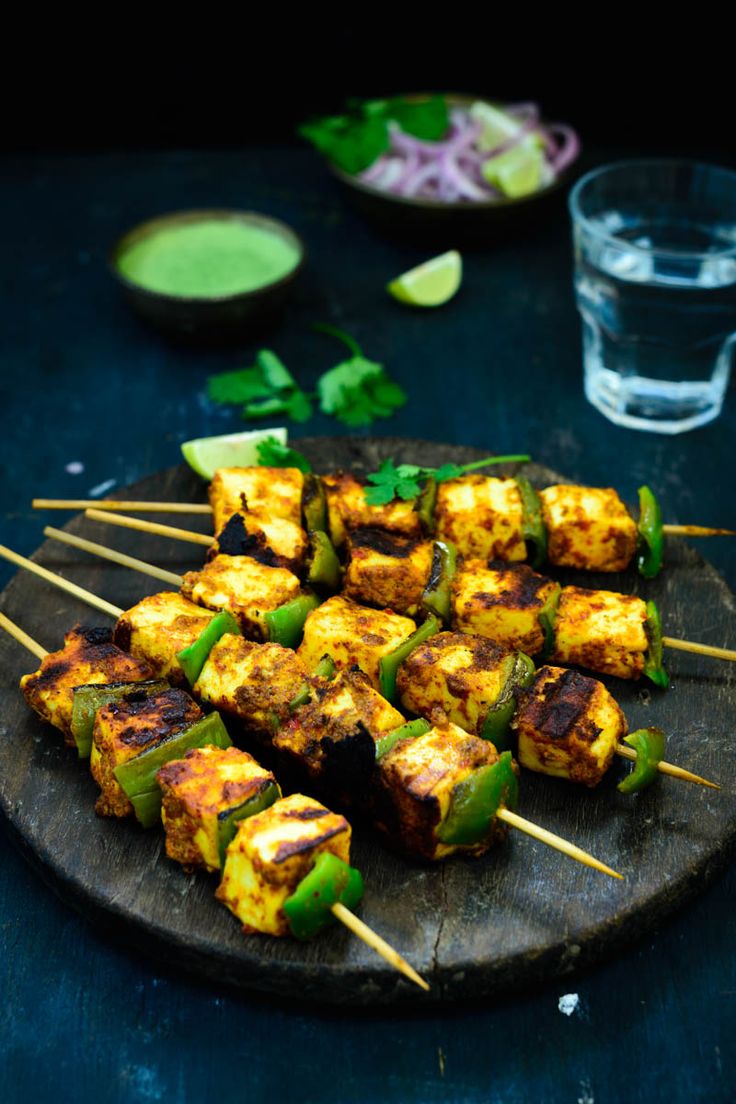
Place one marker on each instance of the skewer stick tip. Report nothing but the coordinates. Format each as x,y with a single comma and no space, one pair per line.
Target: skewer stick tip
373,940
559,844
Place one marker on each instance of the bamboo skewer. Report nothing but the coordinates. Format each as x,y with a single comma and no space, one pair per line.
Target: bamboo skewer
149,527
115,557
120,504
696,531
669,768
22,637
699,649
58,581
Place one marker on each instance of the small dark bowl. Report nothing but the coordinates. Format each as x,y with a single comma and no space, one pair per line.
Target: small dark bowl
209,318
469,223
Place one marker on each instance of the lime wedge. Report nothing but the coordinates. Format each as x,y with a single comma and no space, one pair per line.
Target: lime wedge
231,450
430,284
497,126
519,171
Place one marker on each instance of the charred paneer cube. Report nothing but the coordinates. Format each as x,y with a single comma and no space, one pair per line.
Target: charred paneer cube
158,627
347,510
352,635
568,726
601,630
482,516
204,796
387,570
416,781
333,737
126,728
242,586
250,681
277,542
459,673
502,602
88,656
275,491
588,528
271,853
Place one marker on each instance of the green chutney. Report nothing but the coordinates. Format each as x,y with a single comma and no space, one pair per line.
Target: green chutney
208,259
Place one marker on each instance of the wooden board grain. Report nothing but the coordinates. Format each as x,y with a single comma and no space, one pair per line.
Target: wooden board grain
473,928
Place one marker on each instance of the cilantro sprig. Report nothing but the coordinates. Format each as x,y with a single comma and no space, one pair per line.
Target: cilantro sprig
405,480
265,390
273,454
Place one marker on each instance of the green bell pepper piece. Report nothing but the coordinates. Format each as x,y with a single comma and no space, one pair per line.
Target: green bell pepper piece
309,908
91,697
228,819
406,731
193,658
324,669
650,545
314,504
520,672
425,504
547,616
653,666
323,569
285,625
649,746
534,530
389,665
437,596
476,800
147,807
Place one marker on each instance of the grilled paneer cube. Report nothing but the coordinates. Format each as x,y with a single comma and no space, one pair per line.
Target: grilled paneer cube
88,656
568,726
275,491
275,541
271,853
124,729
254,682
601,630
588,527
415,784
482,516
501,603
209,788
348,510
387,570
244,587
160,626
352,635
461,674
333,737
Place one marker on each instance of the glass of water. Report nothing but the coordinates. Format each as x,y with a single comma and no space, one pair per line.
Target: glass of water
655,283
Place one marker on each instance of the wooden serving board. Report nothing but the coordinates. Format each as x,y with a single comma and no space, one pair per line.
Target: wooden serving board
472,928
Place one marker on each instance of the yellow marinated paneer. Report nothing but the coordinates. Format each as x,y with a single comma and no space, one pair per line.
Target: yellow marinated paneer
588,528
124,729
209,786
275,491
460,674
270,855
601,630
482,516
254,682
501,603
415,784
387,570
352,635
242,586
160,626
348,510
275,541
568,726
333,737
88,656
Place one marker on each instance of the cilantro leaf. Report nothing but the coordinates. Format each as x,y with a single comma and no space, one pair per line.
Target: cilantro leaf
427,119
357,391
405,481
265,390
236,387
272,454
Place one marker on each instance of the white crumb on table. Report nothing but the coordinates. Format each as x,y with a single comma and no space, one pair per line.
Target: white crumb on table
568,1003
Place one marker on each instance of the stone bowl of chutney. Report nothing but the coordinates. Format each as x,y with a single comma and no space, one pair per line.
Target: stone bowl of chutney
208,275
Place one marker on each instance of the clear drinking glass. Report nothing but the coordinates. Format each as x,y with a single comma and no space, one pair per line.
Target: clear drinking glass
655,283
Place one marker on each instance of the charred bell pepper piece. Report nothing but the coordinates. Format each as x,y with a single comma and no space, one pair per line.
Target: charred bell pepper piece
389,665
653,666
437,596
309,908
477,799
425,505
228,819
88,699
193,658
137,776
404,732
520,671
534,530
650,544
547,616
286,624
323,570
324,669
314,504
648,743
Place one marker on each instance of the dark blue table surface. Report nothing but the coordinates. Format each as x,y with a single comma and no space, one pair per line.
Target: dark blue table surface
80,381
